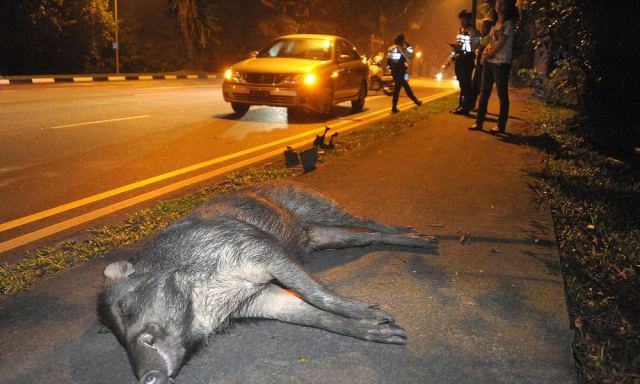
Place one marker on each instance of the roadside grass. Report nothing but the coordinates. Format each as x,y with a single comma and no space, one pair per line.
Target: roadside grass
595,201
49,261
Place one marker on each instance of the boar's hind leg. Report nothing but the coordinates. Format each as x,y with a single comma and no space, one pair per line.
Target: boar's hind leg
321,237
313,208
336,216
279,304
292,276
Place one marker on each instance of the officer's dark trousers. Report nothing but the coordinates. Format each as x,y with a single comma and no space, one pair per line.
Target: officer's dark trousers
464,72
476,83
400,82
498,73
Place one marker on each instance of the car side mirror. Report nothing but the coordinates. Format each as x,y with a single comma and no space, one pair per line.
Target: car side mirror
253,53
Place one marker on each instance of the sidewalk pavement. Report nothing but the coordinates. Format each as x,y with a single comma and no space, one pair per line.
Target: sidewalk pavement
489,311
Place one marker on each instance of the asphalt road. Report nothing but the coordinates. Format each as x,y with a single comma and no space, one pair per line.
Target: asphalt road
63,142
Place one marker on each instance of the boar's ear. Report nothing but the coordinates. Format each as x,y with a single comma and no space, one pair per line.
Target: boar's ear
119,270
146,339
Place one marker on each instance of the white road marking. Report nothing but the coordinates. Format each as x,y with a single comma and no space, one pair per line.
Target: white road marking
100,121
70,223
157,93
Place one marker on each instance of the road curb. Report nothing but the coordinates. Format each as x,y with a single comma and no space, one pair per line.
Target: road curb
99,78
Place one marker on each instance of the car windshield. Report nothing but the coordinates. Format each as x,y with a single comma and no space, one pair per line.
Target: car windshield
314,49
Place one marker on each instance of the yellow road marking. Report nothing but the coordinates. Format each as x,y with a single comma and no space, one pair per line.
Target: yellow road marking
100,121
61,226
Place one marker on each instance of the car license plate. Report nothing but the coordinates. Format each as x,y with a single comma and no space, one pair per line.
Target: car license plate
284,92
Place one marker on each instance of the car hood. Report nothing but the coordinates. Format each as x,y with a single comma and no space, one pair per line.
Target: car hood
277,65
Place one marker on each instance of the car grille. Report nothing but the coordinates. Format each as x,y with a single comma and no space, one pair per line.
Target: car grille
263,97
264,78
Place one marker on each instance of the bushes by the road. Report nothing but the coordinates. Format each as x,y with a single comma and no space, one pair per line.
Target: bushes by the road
48,36
586,61
595,202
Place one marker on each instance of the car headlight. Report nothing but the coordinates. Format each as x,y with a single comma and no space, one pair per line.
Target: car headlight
310,79
234,76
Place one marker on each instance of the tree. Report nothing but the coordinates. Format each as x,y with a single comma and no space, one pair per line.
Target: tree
55,36
197,22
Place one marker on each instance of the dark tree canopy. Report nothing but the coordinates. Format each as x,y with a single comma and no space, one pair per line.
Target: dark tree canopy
53,36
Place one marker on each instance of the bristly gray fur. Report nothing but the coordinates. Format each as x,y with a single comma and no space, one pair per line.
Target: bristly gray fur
222,262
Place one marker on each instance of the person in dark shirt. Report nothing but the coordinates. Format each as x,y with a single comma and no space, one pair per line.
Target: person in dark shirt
398,56
464,48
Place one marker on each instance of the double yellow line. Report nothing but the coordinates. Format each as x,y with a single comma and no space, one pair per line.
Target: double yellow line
297,141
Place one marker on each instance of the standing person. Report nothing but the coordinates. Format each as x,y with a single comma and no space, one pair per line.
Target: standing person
485,28
398,56
496,59
464,48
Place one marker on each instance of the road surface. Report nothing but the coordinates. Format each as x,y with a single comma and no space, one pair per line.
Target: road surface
67,150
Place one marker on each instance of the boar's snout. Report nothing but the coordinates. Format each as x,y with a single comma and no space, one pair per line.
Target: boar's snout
154,377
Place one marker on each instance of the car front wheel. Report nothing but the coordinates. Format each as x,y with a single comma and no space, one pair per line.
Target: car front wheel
240,109
358,104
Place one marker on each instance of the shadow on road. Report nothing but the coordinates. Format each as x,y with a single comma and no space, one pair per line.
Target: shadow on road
292,116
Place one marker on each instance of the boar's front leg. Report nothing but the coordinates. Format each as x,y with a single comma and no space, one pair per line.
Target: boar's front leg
278,304
292,276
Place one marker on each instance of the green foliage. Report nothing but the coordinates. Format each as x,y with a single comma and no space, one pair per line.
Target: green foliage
55,36
197,22
150,40
589,64
595,202
563,87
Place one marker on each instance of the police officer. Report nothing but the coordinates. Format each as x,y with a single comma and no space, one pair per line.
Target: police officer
464,48
398,56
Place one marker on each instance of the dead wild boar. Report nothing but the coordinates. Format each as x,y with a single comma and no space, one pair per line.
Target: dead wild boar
230,259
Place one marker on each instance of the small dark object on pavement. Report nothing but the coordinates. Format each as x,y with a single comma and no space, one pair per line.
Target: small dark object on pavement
231,259
319,140
330,145
309,159
291,158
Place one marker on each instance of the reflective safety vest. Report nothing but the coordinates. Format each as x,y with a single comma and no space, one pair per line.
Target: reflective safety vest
397,57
